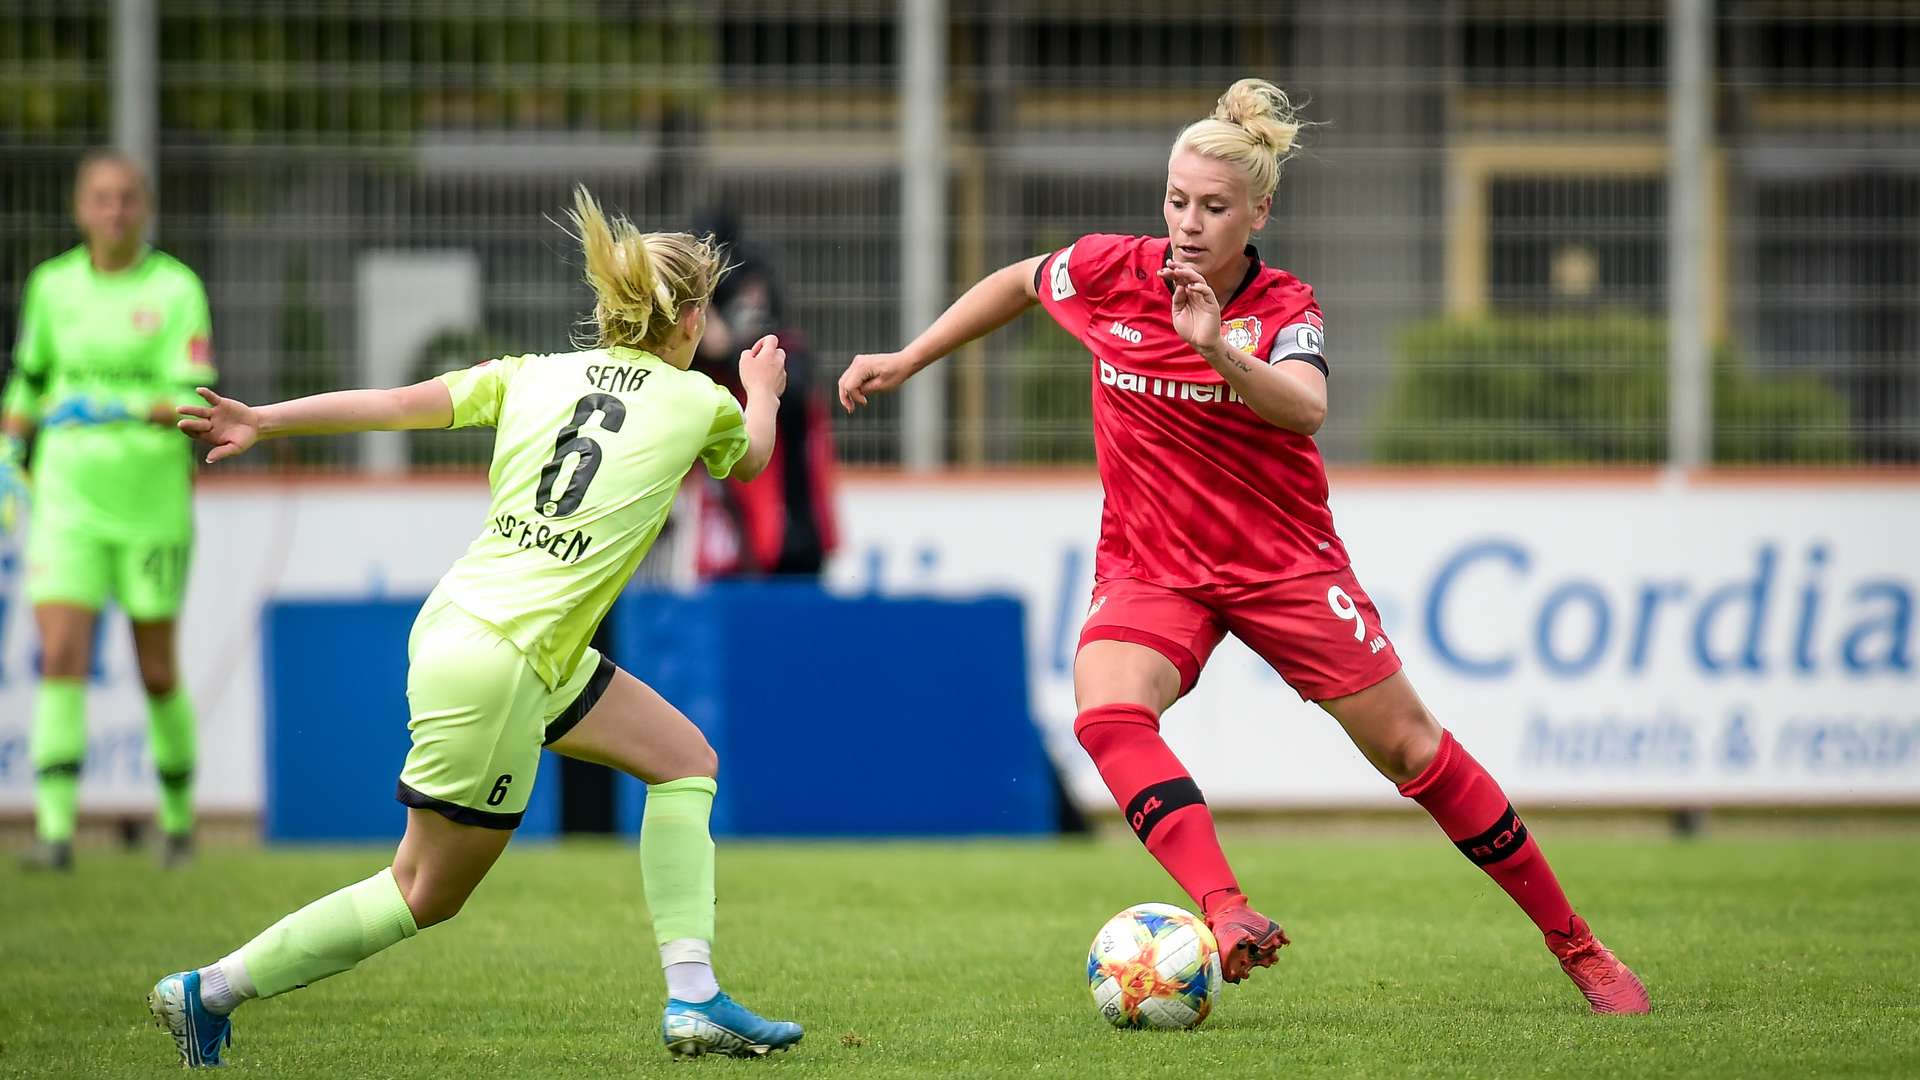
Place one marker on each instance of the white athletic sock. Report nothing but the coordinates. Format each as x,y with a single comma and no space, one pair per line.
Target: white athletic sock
224,985
692,983
688,963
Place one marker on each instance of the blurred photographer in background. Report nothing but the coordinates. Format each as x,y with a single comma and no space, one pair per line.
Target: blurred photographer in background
783,526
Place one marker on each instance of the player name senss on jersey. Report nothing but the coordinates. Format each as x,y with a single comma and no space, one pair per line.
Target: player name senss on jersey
616,378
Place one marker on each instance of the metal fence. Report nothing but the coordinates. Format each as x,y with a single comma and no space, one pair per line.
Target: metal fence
1483,210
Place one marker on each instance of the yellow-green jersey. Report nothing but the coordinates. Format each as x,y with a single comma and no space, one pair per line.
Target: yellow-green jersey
128,340
589,450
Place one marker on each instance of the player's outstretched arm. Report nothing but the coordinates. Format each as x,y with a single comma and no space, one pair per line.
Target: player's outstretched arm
1287,395
991,304
763,372
231,426
16,434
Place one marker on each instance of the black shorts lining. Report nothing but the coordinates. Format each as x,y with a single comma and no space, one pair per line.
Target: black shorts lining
582,705
463,815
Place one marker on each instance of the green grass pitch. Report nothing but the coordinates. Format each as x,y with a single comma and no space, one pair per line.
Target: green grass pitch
1765,955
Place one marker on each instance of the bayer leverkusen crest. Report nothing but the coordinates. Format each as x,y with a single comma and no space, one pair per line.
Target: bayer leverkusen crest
1242,333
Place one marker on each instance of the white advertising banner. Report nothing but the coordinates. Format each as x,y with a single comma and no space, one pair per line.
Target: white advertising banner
1592,643
254,542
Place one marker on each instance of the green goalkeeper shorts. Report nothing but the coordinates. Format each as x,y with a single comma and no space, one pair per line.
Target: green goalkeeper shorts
71,565
480,715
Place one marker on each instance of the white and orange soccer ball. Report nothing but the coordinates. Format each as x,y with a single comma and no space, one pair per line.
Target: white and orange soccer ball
1154,966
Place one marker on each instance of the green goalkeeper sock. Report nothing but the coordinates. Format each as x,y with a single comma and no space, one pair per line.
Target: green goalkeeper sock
324,938
676,865
58,747
170,734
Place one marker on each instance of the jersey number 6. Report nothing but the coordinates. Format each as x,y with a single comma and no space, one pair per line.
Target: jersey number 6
1345,608
613,413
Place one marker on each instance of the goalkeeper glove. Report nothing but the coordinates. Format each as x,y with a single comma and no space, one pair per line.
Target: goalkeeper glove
13,481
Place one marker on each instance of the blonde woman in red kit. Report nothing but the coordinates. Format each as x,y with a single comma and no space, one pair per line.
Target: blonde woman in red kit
1209,381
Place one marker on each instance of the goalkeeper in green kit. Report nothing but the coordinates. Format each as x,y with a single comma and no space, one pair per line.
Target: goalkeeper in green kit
113,337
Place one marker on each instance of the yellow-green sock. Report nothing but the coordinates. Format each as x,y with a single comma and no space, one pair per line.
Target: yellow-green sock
324,938
676,865
59,745
170,734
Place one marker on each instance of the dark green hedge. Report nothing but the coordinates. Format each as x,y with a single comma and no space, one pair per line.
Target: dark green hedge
247,73
1586,390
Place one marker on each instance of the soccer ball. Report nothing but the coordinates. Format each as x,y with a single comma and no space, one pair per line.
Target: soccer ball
1154,966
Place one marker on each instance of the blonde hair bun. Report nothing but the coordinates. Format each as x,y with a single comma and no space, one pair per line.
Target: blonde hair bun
1263,110
1253,126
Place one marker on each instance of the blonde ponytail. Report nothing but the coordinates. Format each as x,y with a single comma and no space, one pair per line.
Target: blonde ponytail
641,281
1253,126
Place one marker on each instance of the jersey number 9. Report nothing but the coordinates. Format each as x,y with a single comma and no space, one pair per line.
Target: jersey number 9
613,413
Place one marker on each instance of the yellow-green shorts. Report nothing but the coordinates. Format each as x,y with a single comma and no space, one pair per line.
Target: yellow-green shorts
71,565
480,716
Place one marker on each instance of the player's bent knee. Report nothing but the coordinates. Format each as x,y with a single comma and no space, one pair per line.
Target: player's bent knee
659,760
159,675
1391,726
54,668
1415,749
431,899
432,908
65,660
700,761
1406,745
709,761
1123,673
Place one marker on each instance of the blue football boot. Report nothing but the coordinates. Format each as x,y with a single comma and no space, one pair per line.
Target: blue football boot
177,1009
723,1026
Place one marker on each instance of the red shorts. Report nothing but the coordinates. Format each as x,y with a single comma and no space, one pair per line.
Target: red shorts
1320,631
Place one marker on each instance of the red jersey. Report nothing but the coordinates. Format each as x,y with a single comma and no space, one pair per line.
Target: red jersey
1199,489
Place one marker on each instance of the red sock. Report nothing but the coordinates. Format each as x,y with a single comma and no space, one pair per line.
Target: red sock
1475,814
1160,801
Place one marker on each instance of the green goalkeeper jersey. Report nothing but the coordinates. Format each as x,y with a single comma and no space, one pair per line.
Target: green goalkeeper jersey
589,449
134,339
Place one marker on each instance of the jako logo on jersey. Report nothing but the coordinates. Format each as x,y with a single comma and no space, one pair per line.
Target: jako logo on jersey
1124,332
1242,333
1133,382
